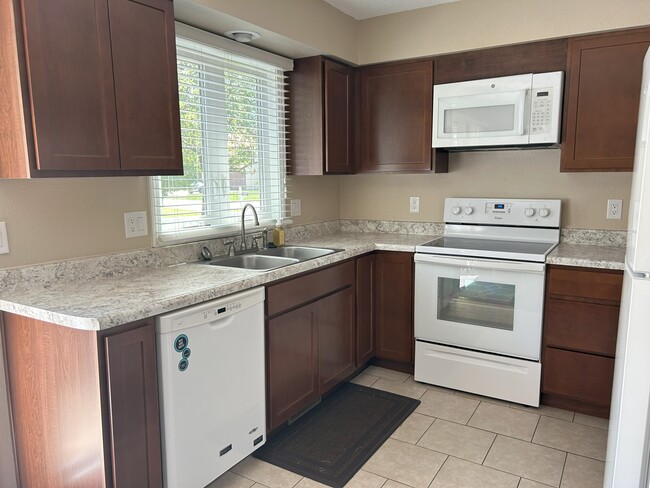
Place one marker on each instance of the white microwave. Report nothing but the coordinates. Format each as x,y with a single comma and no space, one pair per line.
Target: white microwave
508,111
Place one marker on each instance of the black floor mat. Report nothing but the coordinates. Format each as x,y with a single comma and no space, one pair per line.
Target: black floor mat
331,442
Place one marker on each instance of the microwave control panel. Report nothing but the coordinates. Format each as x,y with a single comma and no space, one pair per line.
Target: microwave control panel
545,107
541,110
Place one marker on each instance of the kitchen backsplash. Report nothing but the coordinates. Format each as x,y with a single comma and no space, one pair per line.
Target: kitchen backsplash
43,275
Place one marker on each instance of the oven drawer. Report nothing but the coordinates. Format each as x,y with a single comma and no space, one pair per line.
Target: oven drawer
586,327
576,375
580,284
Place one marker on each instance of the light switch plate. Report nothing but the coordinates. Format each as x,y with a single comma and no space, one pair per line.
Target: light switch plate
135,224
295,208
4,239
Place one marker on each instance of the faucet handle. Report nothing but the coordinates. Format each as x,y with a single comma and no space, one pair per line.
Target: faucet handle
254,244
231,247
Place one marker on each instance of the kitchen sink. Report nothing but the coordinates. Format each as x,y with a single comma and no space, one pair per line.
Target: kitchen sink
254,261
271,258
301,253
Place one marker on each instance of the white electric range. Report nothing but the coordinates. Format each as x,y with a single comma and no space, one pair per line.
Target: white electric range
479,297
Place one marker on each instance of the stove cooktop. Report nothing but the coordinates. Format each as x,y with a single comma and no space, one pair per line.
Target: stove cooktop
488,248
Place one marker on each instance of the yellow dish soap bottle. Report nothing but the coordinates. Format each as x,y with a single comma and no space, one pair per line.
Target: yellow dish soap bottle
278,234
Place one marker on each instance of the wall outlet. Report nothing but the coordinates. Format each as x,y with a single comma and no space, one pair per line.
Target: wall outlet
414,204
295,208
4,239
135,224
614,209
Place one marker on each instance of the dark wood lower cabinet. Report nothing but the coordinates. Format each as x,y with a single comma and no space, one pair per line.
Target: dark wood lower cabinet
84,404
292,359
310,339
394,306
365,283
580,328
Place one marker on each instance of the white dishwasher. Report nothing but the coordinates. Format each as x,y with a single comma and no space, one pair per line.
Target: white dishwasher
212,393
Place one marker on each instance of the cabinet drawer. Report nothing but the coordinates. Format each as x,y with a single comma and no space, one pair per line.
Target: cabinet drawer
295,292
577,375
584,284
587,327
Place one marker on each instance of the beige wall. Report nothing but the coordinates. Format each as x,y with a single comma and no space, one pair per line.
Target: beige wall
63,218
514,174
471,24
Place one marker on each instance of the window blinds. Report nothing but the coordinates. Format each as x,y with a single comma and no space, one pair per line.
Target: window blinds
233,130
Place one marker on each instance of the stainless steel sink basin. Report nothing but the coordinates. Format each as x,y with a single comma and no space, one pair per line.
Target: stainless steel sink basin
254,261
301,253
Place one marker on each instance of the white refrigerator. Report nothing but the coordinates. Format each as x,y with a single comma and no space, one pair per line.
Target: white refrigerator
628,443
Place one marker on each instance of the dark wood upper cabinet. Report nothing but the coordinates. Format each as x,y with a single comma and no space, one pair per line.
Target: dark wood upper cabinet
322,117
91,88
602,100
395,118
146,87
532,57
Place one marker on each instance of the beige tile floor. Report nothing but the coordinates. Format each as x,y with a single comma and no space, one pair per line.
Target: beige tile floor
459,440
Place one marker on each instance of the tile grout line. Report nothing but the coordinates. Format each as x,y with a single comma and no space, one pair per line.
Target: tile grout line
566,458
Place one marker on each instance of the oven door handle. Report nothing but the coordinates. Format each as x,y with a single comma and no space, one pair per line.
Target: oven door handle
481,263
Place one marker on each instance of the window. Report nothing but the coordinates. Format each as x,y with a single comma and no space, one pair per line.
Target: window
233,124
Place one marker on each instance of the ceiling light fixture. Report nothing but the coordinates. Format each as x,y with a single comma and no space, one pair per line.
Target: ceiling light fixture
242,36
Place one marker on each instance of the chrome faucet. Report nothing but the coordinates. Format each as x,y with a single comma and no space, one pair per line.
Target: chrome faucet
243,246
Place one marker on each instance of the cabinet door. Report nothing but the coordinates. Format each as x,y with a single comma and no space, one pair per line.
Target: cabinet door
396,103
602,106
338,89
365,283
132,382
336,338
146,89
292,357
394,306
68,50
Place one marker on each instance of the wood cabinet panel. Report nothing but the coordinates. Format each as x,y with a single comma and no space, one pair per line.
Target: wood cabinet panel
321,100
584,284
579,326
71,84
395,118
132,382
308,287
54,391
583,377
292,357
602,100
394,306
339,118
91,92
336,338
365,284
532,57
144,65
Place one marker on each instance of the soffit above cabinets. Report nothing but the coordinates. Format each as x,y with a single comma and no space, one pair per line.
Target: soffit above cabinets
365,9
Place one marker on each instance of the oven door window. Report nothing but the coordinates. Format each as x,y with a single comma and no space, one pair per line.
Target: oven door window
469,301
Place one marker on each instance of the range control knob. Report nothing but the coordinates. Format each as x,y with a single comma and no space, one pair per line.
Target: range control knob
455,210
468,210
529,212
544,212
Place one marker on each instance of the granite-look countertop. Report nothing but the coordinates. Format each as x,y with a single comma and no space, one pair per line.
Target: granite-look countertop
102,303
605,257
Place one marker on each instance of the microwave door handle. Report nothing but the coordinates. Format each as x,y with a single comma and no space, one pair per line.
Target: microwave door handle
524,96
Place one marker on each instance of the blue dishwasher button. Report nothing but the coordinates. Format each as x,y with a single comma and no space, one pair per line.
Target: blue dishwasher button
183,364
180,342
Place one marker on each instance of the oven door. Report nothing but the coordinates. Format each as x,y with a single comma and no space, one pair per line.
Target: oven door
480,304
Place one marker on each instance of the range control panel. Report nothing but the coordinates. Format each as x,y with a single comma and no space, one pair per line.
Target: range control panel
501,211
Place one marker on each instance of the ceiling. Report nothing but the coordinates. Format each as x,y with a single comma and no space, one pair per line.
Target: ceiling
364,9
